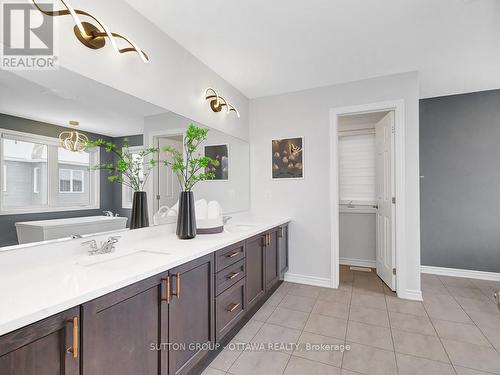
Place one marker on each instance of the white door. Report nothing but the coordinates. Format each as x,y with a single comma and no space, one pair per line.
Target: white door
386,252
168,184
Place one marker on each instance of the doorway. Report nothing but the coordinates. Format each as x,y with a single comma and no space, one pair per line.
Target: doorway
366,182
167,186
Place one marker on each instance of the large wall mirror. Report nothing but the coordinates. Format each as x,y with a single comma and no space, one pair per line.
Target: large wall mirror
48,192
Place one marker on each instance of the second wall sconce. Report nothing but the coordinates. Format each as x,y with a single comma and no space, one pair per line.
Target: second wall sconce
93,35
217,102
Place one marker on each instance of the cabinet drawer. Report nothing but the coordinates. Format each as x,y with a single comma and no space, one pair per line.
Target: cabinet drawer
229,255
229,308
229,276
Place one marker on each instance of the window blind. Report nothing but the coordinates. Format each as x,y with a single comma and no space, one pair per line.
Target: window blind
357,167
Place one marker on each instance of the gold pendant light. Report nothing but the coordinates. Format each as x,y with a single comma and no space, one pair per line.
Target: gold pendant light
72,140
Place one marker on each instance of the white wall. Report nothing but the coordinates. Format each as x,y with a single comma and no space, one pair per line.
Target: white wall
307,113
174,79
233,194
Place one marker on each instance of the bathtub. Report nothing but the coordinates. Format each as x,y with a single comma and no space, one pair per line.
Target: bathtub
42,230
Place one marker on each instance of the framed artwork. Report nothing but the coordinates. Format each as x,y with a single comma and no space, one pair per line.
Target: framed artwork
221,154
288,158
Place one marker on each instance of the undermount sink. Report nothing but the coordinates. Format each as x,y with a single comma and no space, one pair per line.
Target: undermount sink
239,228
120,261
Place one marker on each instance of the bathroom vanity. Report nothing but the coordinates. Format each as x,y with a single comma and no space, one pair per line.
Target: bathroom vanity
162,301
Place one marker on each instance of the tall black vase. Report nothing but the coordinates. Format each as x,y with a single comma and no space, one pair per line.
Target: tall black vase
186,220
139,218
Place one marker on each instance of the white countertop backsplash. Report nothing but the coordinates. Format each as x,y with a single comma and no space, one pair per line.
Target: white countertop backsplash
39,281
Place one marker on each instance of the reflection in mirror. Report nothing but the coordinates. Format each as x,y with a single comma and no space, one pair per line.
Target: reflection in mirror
50,193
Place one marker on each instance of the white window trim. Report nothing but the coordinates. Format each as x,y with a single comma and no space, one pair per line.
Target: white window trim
4,178
53,176
125,189
71,179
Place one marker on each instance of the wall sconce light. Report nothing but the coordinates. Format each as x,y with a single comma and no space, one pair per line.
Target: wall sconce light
93,36
72,140
217,102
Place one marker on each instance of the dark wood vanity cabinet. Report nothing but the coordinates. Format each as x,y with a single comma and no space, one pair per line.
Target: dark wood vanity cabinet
272,271
122,331
47,347
283,250
255,263
191,314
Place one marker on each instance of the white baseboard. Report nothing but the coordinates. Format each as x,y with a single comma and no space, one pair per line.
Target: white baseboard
415,295
308,280
358,262
457,272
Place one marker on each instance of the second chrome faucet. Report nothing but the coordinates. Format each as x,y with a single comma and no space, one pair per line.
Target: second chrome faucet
105,247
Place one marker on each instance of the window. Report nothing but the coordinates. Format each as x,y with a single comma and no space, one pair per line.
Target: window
357,167
42,176
127,192
70,180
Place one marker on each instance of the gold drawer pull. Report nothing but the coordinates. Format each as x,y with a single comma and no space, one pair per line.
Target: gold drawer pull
74,349
177,285
232,255
233,307
232,275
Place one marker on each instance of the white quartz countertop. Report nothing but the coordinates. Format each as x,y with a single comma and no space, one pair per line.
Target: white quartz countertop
39,281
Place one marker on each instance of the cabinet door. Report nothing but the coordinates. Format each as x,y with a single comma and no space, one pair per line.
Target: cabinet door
255,269
122,331
191,313
271,254
43,348
283,250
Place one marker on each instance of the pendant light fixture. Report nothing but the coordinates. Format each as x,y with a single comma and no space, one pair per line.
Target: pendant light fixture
72,140
93,35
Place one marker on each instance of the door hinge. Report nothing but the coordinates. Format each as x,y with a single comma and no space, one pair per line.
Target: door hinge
393,129
158,197
394,271
393,200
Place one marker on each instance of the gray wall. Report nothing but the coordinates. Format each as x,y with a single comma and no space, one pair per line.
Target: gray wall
357,236
460,190
108,192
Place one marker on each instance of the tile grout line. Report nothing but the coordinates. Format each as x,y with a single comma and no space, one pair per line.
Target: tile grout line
347,324
472,320
437,333
392,336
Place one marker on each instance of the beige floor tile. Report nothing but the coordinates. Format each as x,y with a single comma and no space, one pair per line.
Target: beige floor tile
368,334
288,318
429,347
326,325
302,290
297,303
410,365
444,307
411,323
473,356
301,366
252,363
467,292
369,360
369,316
374,301
226,358
312,347
335,295
429,279
469,371
434,288
212,371
264,312
348,372
460,332
248,331
455,281
284,287
333,309
482,305
405,306
489,324
276,298
271,334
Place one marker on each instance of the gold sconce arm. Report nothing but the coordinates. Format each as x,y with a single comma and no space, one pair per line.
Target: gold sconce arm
217,102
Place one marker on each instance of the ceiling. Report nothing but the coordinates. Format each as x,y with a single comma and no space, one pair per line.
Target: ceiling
361,119
267,47
59,96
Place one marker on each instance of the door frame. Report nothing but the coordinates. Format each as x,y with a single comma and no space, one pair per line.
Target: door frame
399,235
152,184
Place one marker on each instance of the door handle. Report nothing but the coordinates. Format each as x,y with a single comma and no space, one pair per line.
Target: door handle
74,348
177,285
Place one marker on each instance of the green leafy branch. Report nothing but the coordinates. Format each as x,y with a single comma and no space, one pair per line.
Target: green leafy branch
129,169
192,168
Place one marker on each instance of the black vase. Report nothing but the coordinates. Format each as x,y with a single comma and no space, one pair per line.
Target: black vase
139,218
186,220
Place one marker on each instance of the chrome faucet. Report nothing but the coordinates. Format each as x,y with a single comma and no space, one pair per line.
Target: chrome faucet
225,219
109,214
105,248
